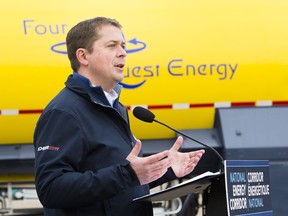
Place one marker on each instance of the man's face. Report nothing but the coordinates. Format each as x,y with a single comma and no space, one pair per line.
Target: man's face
106,62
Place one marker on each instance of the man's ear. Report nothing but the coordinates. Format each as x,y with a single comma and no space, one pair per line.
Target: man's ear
81,55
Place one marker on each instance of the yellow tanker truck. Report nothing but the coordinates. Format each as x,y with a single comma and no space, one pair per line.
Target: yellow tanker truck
186,59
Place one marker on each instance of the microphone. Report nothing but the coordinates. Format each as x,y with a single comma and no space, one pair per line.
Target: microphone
147,116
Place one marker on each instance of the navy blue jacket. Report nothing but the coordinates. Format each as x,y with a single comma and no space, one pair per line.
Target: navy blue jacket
81,145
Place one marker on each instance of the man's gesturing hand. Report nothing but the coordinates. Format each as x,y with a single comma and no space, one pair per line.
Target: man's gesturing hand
149,168
183,163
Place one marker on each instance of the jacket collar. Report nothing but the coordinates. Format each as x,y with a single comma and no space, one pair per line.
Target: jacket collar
81,85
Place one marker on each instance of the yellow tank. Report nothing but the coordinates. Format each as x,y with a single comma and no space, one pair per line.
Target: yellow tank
184,59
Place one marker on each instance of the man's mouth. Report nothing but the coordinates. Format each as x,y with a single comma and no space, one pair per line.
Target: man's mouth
120,65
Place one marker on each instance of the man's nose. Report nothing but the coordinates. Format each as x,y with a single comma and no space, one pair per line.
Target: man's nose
122,52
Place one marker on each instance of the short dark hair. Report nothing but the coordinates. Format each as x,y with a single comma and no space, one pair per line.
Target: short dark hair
83,35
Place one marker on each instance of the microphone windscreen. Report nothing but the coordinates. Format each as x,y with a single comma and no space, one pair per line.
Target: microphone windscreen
143,114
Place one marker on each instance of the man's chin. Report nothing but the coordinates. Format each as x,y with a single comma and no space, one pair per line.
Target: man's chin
120,78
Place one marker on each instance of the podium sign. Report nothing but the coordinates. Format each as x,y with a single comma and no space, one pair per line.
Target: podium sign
248,188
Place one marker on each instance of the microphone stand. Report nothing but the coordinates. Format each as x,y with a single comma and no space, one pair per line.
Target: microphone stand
209,147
